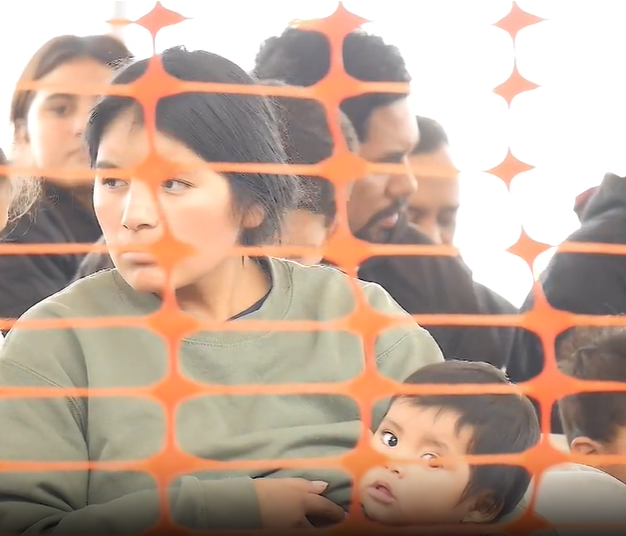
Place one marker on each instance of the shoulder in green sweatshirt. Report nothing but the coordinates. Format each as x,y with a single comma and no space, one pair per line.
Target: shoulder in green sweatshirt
225,428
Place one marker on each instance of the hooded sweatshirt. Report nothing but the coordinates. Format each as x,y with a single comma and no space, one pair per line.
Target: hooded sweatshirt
580,283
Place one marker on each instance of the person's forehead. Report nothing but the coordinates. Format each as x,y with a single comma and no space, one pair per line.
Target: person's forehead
126,140
78,71
436,163
426,420
393,128
435,194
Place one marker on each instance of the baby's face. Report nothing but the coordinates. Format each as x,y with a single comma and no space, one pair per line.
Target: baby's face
417,485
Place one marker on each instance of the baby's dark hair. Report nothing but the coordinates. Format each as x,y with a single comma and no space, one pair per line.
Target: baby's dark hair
499,423
307,140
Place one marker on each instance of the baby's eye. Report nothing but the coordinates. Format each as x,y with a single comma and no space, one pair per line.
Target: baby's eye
432,460
389,439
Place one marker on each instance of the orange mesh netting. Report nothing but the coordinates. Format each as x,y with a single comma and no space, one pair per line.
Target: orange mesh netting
345,251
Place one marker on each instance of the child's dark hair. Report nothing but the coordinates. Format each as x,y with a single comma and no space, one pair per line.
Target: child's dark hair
594,354
500,424
307,139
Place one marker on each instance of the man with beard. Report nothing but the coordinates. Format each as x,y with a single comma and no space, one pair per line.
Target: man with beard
388,133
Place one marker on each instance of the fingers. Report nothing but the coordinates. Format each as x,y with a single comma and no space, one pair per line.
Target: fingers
304,523
307,486
317,506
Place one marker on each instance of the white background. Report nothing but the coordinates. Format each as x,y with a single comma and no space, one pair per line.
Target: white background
571,129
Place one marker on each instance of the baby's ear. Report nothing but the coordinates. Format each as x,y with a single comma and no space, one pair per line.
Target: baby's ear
585,446
486,508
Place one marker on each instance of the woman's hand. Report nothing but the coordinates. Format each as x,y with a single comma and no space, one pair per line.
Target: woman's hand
286,503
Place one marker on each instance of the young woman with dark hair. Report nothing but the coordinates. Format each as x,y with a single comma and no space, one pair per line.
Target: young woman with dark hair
213,213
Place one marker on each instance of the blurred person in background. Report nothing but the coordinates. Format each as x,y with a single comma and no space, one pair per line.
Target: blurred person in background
377,209
582,283
433,207
48,124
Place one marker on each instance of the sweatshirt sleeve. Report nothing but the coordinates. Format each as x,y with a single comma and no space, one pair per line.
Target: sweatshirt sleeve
53,429
402,349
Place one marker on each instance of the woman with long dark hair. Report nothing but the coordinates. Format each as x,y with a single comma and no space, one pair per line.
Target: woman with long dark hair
212,213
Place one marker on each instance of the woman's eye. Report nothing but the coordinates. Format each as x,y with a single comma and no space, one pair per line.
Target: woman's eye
389,439
112,183
174,185
61,111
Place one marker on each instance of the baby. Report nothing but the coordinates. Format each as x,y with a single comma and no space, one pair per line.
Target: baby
426,480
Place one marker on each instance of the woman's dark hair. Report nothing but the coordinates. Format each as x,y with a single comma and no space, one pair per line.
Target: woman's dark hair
105,49
307,139
218,127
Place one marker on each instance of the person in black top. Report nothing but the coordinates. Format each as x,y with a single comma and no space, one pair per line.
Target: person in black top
582,283
387,133
433,209
48,128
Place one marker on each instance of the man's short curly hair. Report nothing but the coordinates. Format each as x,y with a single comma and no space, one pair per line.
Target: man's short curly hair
302,58
307,139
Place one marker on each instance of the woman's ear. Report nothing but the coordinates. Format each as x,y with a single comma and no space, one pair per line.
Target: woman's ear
253,217
486,508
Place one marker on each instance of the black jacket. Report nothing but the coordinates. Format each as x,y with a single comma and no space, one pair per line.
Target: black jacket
59,218
444,285
588,284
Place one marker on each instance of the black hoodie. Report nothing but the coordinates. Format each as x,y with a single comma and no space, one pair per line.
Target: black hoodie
443,285
588,284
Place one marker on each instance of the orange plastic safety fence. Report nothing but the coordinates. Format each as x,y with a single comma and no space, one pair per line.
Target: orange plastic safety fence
344,250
